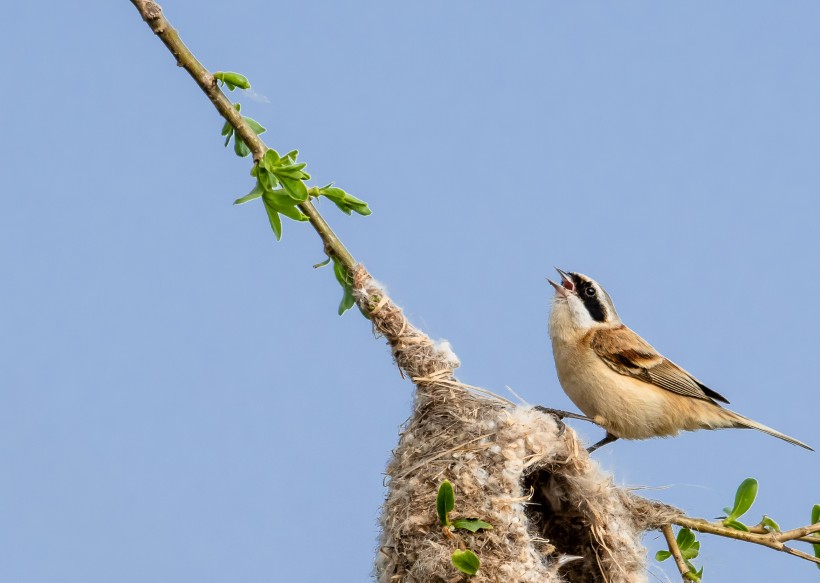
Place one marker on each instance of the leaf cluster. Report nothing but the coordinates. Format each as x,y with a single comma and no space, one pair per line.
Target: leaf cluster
744,499
689,549
281,184
240,148
344,279
464,560
346,202
232,80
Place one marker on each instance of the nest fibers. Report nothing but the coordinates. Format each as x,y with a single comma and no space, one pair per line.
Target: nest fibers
556,517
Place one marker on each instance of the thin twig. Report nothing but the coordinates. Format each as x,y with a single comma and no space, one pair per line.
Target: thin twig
809,538
801,554
797,533
151,13
672,543
771,540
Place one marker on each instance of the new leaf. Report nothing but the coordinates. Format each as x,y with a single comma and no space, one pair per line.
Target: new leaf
445,502
465,561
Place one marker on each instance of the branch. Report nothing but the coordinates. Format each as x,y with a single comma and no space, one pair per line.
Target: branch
666,529
151,13
772,540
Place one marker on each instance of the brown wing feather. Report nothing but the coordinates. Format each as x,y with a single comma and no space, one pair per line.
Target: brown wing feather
643,362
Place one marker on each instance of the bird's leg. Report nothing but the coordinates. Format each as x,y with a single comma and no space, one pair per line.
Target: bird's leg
560,415
608,439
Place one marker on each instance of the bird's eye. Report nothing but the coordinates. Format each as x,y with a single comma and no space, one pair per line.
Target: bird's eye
590,292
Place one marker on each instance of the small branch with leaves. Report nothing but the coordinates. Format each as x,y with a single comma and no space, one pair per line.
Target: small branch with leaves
280,180
684,547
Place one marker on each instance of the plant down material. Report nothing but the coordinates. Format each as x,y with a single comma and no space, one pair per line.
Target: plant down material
556,516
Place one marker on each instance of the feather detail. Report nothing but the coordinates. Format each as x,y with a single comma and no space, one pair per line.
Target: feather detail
744,422
628,354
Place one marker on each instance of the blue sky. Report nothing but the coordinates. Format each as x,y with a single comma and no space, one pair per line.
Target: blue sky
180,401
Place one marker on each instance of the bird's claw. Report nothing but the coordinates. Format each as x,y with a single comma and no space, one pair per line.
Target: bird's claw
609,438
557,415
560,415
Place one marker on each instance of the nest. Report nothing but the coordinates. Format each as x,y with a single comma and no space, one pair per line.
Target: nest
556,516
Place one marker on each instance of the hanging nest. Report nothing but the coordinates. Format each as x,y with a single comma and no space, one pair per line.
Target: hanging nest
556,516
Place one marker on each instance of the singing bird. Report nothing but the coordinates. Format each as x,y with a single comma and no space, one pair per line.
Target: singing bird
619,381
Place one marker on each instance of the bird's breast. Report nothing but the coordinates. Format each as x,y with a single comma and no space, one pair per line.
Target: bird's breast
624,406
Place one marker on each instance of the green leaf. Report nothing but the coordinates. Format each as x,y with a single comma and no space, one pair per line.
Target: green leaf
291,212
335,194
240,148
690,552
744,498
291,170
472,524
322,264
736,525
341,273
255,125
253,194
348,300
232,79
662,555
284,204
346,282
346,202
270,160
227,131
685,538
445,502
353,201
465,561
769,524
275,221
693,574
363,209
296,189
266,179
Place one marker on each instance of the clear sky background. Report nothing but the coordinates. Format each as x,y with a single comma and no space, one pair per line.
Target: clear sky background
179,401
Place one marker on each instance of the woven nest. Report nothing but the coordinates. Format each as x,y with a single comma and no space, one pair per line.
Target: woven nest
556,516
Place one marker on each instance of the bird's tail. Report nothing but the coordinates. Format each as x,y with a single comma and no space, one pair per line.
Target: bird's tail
742,421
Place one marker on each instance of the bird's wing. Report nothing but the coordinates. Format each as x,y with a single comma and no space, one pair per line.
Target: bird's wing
630,355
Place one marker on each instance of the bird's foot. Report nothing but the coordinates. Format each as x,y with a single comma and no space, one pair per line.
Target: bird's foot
560,415
608,439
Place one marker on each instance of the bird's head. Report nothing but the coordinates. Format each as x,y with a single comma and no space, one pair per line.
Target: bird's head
582,302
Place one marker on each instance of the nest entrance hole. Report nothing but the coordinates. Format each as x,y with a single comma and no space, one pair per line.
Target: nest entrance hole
565,531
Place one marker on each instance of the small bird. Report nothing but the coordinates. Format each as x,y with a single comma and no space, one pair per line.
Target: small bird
619,381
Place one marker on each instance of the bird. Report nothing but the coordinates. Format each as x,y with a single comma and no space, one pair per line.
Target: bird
622,383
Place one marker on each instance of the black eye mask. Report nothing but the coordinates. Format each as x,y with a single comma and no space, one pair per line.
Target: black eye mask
593,303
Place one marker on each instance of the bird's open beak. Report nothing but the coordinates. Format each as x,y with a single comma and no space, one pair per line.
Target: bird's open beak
565,286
